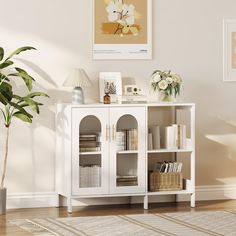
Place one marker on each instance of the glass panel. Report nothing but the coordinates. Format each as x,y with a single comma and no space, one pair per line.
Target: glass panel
127,133
90,153
127,170
127,151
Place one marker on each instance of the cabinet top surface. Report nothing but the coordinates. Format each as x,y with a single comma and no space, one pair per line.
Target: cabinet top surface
156,104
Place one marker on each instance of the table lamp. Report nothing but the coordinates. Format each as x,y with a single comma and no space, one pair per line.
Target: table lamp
78,79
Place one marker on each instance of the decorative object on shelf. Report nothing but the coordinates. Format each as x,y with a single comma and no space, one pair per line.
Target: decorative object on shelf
132,90
229,65
167,83
106,97
110,83
170,181
122,29
14,106
78,79
132,99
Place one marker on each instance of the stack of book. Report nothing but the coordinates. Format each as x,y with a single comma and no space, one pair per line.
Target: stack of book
175,136
169,167
127,140
90,176
127,180
89,142
131,99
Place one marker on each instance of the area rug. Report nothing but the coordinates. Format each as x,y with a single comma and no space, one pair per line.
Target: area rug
180,223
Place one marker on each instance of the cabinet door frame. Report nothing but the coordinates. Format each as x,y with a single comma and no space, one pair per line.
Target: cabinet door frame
103,116
139,113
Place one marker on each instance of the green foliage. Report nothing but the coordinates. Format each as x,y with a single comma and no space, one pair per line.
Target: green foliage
11,104
1,53
19,50
14,105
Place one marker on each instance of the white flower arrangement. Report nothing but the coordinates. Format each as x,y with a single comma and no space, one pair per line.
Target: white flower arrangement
167,82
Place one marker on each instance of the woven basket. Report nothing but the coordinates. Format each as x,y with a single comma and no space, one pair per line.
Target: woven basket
165,181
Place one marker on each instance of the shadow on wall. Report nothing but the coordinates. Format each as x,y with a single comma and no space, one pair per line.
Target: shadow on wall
54,21
227,140
38,137
224,144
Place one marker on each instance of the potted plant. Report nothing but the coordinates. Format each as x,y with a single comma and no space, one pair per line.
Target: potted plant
13,105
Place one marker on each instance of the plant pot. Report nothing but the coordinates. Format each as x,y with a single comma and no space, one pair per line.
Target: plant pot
3,200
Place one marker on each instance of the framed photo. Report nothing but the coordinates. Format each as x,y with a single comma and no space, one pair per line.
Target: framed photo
229,50
110,82
122,29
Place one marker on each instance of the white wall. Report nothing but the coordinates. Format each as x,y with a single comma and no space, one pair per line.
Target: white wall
187,38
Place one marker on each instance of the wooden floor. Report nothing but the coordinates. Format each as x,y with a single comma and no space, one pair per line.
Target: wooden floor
7,229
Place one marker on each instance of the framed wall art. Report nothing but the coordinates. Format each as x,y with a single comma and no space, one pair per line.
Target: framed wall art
111,83
229,50
122,29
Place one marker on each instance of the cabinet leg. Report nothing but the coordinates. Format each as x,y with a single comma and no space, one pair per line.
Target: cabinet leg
193,200
145,202
58,201
69,205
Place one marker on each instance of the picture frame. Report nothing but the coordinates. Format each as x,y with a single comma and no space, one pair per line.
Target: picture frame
229,50
111,82
120,38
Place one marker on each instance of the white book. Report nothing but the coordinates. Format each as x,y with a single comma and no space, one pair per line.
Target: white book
175,167
83,177
169,137
180,136
179,167
96,176
183,139
176,136
150,141
155,130
170,169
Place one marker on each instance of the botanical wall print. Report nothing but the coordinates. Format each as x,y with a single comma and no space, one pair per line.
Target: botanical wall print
122,29
229,61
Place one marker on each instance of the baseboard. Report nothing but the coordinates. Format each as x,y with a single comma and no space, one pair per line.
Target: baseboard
212,192
39,200
31,200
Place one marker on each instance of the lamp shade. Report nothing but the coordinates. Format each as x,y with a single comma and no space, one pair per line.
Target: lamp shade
77,78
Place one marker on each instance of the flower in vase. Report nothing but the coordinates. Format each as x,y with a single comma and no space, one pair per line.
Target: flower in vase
166,82
163,84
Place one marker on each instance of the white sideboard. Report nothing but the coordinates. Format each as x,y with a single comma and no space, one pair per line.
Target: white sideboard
111,169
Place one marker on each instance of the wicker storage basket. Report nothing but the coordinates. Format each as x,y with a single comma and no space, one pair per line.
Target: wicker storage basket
165,181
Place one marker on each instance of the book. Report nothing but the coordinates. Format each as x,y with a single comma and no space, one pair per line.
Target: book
150,142
131,99
169,137
90,149
155,130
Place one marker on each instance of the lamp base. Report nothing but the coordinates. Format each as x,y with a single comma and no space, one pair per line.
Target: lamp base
78,96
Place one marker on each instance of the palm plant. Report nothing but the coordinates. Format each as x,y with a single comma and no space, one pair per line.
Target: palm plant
13,105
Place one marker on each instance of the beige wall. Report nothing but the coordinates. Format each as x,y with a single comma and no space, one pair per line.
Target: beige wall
187,39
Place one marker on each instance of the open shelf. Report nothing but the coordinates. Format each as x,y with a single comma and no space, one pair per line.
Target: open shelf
90,153
169,192
169,150
128,152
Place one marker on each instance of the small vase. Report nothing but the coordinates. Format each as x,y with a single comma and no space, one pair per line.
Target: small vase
164,97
